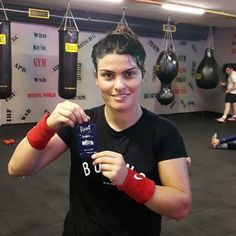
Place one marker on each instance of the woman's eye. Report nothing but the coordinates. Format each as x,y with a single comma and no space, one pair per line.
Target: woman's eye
130,74
107,76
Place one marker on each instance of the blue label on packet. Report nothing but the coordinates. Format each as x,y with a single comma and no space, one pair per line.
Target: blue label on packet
86,139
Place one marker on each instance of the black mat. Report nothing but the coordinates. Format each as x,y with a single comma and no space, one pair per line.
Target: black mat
37,205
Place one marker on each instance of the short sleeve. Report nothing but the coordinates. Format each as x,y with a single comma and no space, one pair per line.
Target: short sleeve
171,142
233,77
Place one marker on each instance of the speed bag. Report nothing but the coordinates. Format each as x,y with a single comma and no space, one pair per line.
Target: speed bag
5,60
208,73
167,66
68,56
165,95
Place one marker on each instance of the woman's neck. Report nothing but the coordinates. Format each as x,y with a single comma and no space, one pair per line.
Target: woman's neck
120,120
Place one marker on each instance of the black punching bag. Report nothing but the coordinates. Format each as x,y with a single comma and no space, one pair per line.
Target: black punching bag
166,70
68,55
5,59
165,96
207,73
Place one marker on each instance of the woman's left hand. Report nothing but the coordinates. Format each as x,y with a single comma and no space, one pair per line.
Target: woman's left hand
112,166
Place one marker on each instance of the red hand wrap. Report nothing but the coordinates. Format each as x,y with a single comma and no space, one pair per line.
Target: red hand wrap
40,134
137,186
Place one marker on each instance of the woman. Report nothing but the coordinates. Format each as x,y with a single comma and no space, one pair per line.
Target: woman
128,165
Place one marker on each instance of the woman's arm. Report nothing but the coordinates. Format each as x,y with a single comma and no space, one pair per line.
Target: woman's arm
173,199
227,139
42,145
27,160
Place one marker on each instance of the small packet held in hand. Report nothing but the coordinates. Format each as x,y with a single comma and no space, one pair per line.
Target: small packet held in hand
86,139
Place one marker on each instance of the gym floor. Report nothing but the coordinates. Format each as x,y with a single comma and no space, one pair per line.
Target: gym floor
37,205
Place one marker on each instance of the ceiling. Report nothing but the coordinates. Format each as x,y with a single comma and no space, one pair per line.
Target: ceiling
149,9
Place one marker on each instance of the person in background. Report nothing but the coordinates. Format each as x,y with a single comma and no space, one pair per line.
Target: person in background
228,142
128,165
230,99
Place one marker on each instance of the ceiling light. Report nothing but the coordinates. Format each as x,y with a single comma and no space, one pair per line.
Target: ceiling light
182,8
116,1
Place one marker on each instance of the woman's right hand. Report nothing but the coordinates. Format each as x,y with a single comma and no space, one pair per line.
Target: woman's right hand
66,114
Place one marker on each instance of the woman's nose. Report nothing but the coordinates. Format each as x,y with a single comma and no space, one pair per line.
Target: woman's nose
119,83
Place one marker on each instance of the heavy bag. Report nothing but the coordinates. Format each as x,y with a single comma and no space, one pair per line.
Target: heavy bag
166,69
165,96
208,73
5,60
68,56
167,66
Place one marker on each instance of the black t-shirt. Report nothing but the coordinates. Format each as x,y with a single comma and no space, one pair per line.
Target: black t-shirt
98,208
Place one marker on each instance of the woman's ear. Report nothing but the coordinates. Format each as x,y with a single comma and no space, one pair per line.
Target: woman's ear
143,73
95,73
97,83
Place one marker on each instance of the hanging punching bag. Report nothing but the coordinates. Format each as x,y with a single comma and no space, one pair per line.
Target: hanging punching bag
166,70
167,66
207,73
68,55
165,96
5,60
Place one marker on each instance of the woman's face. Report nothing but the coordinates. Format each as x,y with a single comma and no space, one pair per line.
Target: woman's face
119,80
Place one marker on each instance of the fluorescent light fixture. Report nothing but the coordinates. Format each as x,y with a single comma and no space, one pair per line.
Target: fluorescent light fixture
112,1
182,8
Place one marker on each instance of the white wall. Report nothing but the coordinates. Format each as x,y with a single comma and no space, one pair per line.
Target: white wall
35,74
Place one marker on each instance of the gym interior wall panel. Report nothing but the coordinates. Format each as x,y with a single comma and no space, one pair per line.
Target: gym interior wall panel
187,94
35,74
1,113
87,91
34,49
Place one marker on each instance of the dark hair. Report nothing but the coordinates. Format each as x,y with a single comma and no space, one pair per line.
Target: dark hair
120,41
229,66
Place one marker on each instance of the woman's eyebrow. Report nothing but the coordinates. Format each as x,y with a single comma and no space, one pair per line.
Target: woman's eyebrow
133,68
130,69
106,70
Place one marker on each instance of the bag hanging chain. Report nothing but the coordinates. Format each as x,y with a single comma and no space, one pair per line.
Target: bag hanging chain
123,26
4,11
168,42
68,18
210,41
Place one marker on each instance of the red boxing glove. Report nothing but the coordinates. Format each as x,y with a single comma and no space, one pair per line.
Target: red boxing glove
137,186
40,134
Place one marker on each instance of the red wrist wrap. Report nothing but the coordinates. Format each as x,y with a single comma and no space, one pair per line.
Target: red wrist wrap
137,186
40,134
